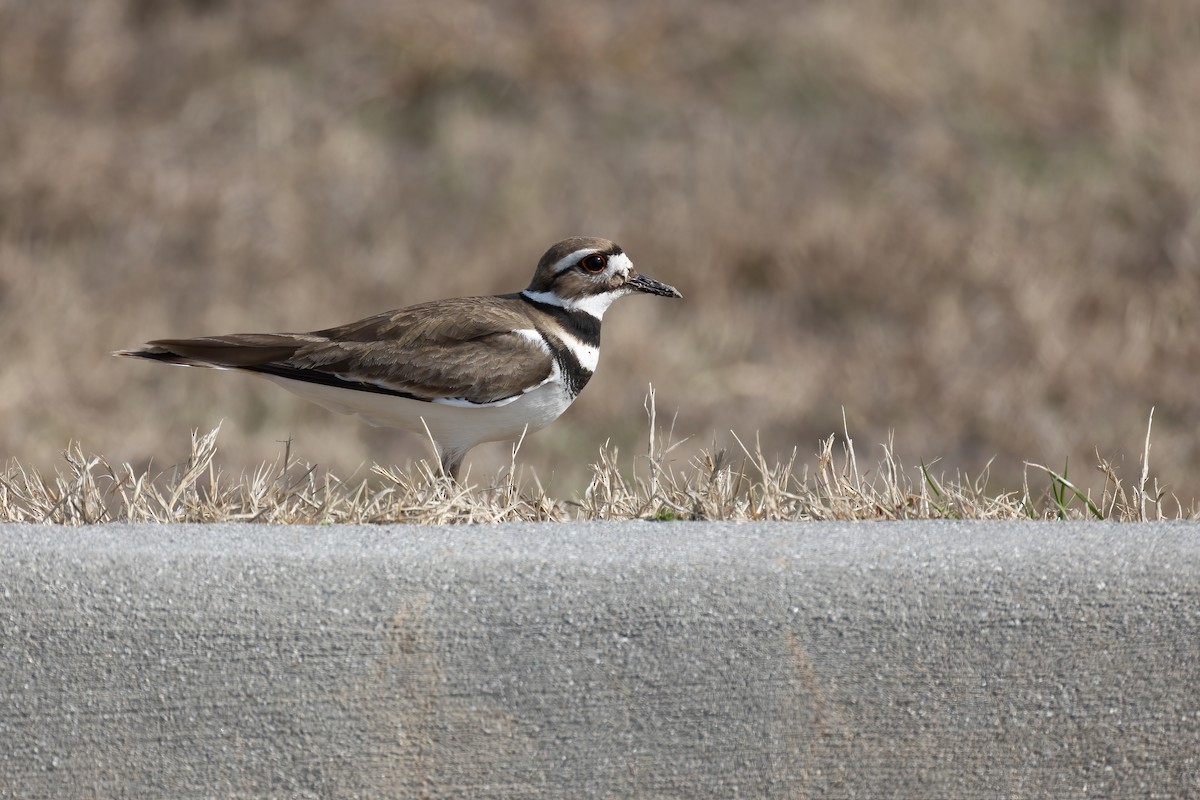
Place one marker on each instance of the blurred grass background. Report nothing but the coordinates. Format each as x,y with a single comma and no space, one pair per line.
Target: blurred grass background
974,225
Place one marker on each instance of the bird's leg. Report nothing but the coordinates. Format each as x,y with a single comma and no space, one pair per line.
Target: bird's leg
452,463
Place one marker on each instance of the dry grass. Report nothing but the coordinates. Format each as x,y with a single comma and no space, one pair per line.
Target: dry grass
975,227
714,485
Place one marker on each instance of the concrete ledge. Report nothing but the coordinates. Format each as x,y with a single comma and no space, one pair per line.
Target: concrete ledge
622,660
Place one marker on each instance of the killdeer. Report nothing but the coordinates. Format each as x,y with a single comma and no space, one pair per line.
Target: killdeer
460,371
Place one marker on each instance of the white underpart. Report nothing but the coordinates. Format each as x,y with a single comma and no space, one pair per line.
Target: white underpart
454,427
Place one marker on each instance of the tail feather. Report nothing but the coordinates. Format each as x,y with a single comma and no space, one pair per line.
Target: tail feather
239,350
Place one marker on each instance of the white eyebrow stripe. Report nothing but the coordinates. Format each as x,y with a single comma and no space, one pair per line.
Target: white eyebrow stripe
568,261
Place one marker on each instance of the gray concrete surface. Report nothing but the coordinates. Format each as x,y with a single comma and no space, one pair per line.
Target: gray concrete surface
602,660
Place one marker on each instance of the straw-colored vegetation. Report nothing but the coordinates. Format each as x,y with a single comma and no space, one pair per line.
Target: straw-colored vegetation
714,485
975,227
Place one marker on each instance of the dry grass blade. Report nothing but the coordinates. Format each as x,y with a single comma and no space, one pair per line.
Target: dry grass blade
710,486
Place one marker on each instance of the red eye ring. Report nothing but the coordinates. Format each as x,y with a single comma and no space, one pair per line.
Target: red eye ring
595,263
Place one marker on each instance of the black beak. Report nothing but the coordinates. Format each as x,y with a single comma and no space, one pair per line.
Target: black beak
650,286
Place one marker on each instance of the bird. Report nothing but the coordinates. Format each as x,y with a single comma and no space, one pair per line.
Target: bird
459,371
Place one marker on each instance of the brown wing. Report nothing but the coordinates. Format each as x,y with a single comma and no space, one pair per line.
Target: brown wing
463,348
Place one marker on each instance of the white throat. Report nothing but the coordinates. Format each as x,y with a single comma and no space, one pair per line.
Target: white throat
594,304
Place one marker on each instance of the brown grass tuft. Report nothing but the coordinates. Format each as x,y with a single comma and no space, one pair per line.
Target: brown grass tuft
717,484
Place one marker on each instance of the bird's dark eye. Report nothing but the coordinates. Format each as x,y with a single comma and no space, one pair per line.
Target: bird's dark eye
594,263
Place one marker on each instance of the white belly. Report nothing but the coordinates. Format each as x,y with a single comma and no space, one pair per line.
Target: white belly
451,426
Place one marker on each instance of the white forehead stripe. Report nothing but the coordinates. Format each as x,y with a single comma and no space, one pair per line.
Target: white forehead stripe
620,263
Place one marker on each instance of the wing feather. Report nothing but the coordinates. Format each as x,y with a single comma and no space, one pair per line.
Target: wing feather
462,349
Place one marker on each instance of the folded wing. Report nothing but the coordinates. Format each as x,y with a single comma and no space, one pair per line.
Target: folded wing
469,350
